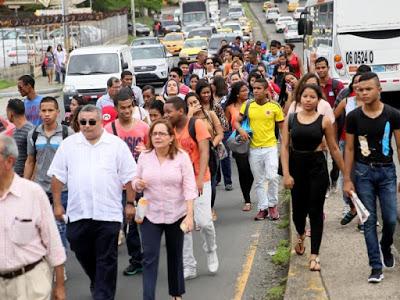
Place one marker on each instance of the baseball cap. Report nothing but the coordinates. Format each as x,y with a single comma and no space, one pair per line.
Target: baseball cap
109,114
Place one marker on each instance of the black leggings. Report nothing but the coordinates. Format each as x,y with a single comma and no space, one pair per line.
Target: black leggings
311,180
245,176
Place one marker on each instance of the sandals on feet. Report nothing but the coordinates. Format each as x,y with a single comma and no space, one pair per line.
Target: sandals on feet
299,247
315,264
246,207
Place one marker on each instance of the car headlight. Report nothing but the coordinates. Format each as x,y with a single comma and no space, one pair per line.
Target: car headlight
69,89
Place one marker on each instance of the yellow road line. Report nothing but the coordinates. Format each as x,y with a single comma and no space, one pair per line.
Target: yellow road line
243,277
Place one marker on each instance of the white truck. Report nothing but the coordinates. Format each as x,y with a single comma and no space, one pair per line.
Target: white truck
194,13
351,33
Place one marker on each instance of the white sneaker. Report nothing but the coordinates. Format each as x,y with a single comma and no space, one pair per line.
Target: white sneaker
212,262
189,273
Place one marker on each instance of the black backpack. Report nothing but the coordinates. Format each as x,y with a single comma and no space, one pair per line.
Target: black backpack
35,135
213,156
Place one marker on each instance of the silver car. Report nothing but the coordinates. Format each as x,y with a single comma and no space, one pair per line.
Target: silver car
282,22
291,33
272,14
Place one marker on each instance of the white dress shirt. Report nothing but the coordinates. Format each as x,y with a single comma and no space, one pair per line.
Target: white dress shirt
95,175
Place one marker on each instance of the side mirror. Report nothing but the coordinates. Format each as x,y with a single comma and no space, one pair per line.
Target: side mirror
125,66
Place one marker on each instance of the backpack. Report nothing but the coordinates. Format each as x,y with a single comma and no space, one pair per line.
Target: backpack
213,155
35,135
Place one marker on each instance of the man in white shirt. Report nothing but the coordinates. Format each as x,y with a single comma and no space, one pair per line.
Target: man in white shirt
96,165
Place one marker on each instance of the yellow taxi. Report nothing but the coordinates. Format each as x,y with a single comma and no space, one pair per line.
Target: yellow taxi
246,25
292,5
174,42
267,4
192,47
224,30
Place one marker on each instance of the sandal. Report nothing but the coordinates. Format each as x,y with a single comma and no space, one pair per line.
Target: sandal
348,217
299,247
246,207
315,264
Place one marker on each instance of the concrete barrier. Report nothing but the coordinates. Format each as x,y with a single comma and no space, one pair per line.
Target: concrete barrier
14,72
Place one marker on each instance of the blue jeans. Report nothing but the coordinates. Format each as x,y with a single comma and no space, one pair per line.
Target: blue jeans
62,227
372,182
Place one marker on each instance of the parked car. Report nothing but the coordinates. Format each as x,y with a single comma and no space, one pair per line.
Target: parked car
141,29
151,64
21,54
291,33
173,42
272,15
297,13
151,40
89,68
281,23
191,47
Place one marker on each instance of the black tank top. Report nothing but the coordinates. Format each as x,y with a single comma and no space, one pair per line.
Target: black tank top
306,137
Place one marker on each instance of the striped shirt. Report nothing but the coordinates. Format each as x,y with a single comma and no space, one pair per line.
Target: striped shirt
20,137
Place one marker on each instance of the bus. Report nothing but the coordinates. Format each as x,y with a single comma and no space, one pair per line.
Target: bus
194,12
354,32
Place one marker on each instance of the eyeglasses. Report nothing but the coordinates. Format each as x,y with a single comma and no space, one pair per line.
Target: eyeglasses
209,63
161,134
91,122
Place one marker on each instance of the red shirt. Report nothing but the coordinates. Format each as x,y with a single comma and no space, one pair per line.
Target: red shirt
329,93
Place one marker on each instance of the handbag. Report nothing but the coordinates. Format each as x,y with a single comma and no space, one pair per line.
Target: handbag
220,150
235,142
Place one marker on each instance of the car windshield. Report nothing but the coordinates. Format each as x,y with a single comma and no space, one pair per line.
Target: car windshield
198,17
235,9
173,37
168,23
144,42
234,27
87,64
205,33
285,19
195,44
147,53
300,10
215,42
273,10
292,27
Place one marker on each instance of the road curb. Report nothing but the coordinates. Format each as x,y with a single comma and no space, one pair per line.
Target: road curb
260,25
302,283
40,92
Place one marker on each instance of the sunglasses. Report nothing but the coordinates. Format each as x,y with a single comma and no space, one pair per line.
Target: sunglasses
209,63
91,122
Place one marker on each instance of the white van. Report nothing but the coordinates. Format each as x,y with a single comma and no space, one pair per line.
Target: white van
89,68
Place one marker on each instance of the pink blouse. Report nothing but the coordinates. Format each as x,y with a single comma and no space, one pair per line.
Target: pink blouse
324,108
169,186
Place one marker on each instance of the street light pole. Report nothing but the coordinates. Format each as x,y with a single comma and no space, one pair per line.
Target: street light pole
133,18
65,30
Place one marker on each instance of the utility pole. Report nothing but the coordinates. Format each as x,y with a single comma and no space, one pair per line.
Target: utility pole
133,18
64,7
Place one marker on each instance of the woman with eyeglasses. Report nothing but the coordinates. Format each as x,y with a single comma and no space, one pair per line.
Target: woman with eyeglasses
209,74
165,176
238,95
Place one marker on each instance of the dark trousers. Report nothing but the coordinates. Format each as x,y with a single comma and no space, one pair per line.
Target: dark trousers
214,184
245,175
95,244
151,238
225,166
133,243
311,180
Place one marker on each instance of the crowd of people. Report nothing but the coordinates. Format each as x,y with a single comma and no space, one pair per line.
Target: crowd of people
138,161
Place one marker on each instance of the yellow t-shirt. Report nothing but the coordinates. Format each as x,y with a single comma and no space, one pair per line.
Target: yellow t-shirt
262,122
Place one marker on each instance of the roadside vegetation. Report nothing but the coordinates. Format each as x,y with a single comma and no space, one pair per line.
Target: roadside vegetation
5,84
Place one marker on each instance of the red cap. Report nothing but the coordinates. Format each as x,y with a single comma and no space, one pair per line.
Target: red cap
109,114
